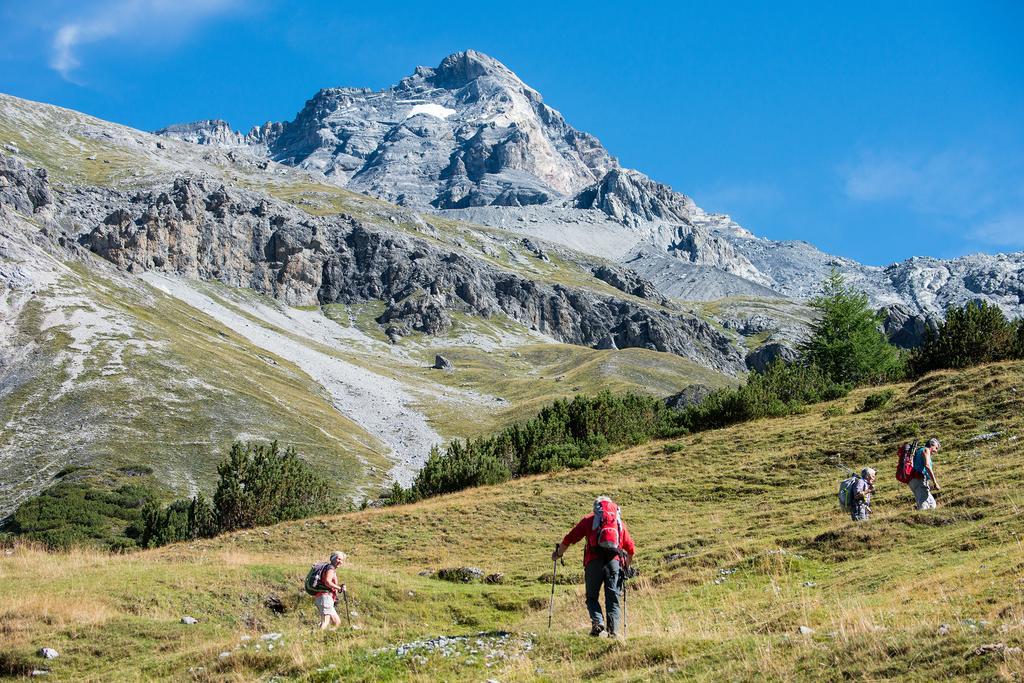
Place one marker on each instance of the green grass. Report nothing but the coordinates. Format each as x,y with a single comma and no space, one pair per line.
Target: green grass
739,540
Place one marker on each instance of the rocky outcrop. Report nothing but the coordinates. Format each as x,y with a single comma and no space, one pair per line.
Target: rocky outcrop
702,247
480,136
26,191
208,132
630,282
691,395
631,197
903,327
201,229
762,358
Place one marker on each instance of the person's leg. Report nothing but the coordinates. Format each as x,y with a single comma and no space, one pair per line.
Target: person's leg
920,493
929,501
593,576
612,592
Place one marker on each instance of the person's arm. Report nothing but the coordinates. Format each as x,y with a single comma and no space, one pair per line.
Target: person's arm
628,547
928,467
331,580
577,533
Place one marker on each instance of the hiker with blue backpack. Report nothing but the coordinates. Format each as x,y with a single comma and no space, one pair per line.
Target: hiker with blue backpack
922,481
607,555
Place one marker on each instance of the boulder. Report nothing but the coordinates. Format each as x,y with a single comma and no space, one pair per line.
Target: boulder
48,653
442,363
189,620
761,359
691,395
461,574
903,327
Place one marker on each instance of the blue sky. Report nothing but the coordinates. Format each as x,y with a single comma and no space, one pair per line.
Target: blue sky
876,131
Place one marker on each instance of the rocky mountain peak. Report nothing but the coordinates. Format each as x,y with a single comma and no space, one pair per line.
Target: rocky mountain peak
458,69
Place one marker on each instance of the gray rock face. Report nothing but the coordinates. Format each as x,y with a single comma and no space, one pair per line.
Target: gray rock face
25,190
691,395
478,134
469,134
632,197
903,327
759,360
208,132
442,363
630,282
204,230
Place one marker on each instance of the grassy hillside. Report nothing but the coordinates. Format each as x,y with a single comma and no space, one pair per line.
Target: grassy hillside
740,544
129,383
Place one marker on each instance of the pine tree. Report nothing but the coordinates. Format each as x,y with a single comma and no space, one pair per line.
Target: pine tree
974,333
846,342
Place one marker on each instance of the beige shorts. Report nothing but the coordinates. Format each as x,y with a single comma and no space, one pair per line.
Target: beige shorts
325,604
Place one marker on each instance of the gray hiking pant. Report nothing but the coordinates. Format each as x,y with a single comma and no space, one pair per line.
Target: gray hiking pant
597,573
922,494
861,512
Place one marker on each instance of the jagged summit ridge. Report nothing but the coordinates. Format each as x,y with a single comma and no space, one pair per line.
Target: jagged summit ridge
466,133
470,137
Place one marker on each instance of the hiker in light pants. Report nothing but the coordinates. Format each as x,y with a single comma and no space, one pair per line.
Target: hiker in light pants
923,479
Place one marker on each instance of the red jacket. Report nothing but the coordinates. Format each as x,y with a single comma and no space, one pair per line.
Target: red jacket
585,529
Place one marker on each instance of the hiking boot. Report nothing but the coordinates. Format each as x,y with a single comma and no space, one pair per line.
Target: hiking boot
613,635
596,628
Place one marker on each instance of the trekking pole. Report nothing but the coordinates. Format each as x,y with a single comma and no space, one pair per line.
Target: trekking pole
551,602
348,612
624,613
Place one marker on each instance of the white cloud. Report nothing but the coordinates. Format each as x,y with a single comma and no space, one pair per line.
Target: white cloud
1006,230
158,20
952,182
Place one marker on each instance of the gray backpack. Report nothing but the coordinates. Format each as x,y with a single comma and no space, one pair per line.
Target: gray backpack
846,493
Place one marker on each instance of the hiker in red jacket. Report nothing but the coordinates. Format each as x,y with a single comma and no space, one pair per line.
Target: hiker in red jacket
609,550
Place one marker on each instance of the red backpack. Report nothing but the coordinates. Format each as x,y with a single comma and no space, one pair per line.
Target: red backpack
607,530
905,462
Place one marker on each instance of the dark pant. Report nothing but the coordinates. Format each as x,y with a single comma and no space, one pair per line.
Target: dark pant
606,572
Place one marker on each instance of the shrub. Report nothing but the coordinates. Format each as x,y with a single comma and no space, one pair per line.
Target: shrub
461,466
259,484
781,390
563,434
575,433
876,400
846,342
70,514
971,334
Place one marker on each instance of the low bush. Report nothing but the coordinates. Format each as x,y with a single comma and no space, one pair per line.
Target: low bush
76,513
570,434
564,434
876,400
